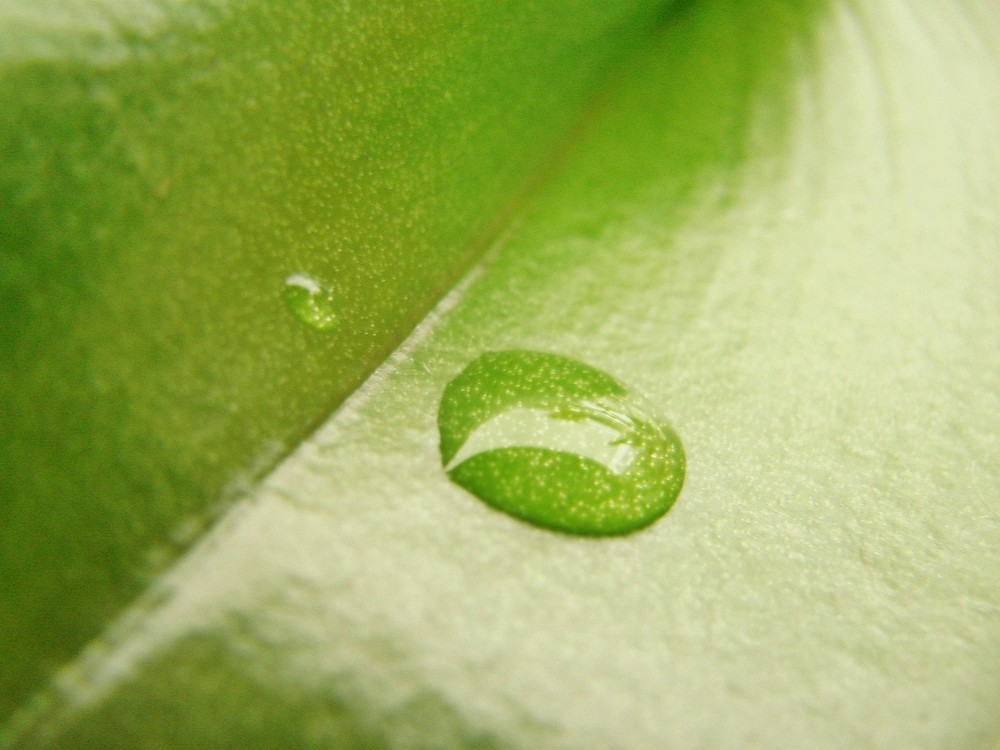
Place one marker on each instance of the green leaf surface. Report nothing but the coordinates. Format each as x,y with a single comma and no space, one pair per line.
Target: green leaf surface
781,226
171,174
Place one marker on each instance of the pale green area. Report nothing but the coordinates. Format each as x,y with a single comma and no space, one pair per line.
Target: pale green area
559,444
165,165
783,229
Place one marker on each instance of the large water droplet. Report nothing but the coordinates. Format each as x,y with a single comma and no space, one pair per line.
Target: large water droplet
314,303
559,444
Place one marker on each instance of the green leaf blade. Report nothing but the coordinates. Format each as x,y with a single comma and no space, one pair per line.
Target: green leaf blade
166,167
782,230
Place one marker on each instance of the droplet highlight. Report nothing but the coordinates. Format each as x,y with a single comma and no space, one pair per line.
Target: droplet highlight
559,444
311,301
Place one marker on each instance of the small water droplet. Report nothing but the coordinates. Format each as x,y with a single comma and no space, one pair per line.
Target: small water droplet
559,444
313,302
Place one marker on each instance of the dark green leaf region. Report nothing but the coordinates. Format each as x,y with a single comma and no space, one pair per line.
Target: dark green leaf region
558,444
